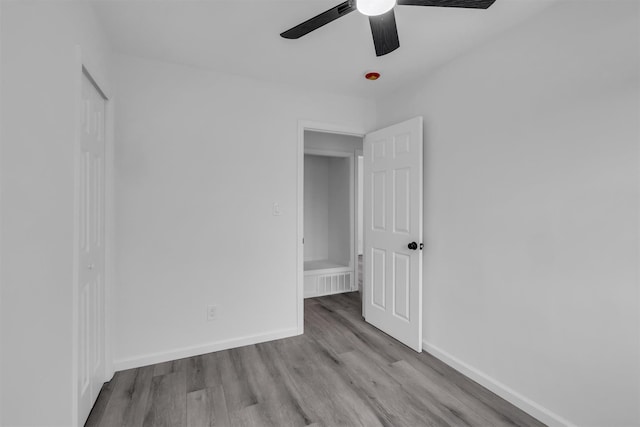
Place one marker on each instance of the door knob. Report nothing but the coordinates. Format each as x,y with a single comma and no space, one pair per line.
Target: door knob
413,246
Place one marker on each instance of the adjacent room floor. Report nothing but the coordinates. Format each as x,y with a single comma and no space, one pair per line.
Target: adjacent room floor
341,372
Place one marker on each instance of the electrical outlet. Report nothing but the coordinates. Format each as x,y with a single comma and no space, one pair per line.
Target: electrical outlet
212,312
276,209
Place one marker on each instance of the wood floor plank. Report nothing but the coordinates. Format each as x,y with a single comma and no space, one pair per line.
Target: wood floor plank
167,401
503,409
207,408
463,388
163,368
448,392
195,374
441,402
389,353
128,399
281,371
254,415
385,394
363,336
341,372
237,390
200,409
277,399
483,400
119,400
211,369
99,408
331,396
323,331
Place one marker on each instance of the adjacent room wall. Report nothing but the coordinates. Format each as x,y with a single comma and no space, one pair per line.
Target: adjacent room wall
340,205
531,212
39,78
316,207
327,234
201,158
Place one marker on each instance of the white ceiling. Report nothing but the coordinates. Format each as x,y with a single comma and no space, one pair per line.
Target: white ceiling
242,37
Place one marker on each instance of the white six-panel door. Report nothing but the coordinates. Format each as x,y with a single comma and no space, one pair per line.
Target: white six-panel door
91,235
392,299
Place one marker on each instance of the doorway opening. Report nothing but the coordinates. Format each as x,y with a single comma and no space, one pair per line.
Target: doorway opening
330,209
329,215
391,216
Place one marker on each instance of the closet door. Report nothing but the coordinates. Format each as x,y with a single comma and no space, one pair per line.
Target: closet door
91,297
392,299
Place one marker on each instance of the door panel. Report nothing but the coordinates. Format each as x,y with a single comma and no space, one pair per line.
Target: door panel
401,291
401,199
84,377
378,278
91,309
392,220
378,196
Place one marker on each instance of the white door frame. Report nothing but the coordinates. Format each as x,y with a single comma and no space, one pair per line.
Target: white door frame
357,222
304,125
83,67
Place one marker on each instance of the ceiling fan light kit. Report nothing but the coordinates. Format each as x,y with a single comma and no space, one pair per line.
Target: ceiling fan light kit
375,7
381,18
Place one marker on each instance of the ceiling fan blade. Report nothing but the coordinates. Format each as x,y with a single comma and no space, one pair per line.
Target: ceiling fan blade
471,4
319,20
384,32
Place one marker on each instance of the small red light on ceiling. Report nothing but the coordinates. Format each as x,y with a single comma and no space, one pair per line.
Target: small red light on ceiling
372,76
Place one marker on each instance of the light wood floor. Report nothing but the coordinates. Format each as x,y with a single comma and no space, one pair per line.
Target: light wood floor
341,372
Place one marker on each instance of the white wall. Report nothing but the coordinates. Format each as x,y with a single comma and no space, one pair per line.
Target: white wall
531,211
201,157
332,141
316,207
39,78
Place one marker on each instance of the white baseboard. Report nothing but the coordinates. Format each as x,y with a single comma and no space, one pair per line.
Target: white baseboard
180,353
527,405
